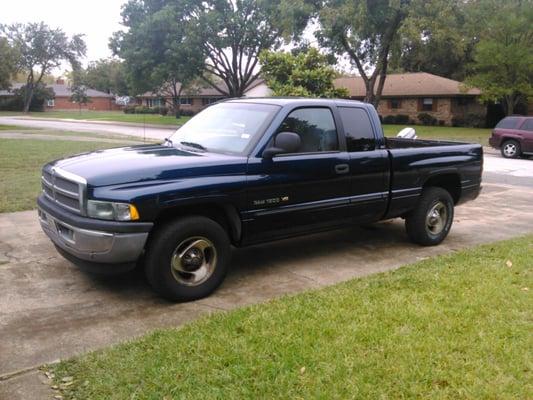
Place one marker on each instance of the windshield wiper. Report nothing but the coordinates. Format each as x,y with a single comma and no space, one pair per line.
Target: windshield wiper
194,145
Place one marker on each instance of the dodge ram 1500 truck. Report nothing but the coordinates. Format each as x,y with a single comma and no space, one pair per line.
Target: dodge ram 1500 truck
246,171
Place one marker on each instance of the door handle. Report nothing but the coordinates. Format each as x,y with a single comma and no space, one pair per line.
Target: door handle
342,168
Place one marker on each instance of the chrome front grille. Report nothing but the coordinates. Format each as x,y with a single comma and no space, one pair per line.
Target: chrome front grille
64,188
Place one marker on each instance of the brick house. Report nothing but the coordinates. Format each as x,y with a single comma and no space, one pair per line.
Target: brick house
99,101
419,92
196,99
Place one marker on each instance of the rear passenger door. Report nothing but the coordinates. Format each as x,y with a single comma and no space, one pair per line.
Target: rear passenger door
369,166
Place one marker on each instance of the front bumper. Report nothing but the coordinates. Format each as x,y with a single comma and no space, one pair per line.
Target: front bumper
92,241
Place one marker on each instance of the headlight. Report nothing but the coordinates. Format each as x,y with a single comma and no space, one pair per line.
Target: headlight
111,210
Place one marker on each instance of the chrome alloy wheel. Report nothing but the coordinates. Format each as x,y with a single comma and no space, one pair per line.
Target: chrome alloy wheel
509,149
193,261
436,218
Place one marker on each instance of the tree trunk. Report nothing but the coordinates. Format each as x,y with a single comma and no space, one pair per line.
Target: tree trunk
27,98
509,104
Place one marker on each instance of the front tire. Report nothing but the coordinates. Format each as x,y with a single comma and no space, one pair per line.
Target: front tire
511,149
187,259
429,223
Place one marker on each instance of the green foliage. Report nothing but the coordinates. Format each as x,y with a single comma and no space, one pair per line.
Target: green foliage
79,95
427,119
366,31
8,63
435,38
107,75
41,49
306,74
400,119
169,42
161,110
503,58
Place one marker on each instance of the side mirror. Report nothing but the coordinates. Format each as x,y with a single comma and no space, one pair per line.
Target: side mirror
284,142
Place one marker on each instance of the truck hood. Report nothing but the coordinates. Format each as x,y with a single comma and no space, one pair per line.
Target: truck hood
146,163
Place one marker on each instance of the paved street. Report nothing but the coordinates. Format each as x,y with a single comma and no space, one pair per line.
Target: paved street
51,310
149,131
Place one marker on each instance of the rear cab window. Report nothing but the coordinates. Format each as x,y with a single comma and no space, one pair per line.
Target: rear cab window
357,129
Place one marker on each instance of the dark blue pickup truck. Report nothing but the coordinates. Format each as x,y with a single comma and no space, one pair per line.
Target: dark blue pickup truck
247,171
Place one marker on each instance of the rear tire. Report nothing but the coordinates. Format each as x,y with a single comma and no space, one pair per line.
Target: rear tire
429,223
511,149
187,259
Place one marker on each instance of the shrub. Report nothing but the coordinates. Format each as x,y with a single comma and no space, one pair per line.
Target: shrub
442,122
389,119
163,110
129,110
427,119
471,120
475,120
458,121
402,119
187,113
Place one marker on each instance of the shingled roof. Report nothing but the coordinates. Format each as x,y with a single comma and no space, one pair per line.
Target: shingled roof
414,84
60,90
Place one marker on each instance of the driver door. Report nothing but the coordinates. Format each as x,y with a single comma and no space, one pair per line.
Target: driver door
303,191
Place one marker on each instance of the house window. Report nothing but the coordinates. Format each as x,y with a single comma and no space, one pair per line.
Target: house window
50,103
427,104
395,104
210,100
153,102
186,101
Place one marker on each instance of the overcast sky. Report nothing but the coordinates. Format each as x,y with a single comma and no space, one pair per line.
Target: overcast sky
97,19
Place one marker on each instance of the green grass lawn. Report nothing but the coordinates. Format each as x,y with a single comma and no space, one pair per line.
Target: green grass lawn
453,327
470,135
20,167
118,116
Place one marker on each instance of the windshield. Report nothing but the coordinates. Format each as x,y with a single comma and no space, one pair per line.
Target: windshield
225,127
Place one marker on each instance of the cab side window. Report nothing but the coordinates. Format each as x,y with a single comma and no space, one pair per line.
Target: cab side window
357,129
316,128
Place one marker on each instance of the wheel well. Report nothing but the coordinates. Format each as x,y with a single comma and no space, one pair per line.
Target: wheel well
225,215
507,138
449,182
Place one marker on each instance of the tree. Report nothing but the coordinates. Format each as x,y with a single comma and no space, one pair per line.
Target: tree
107,75
78,89
41,49
364,30
159,51
8,65
307,74
165,38
235,33
503,58
436,38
